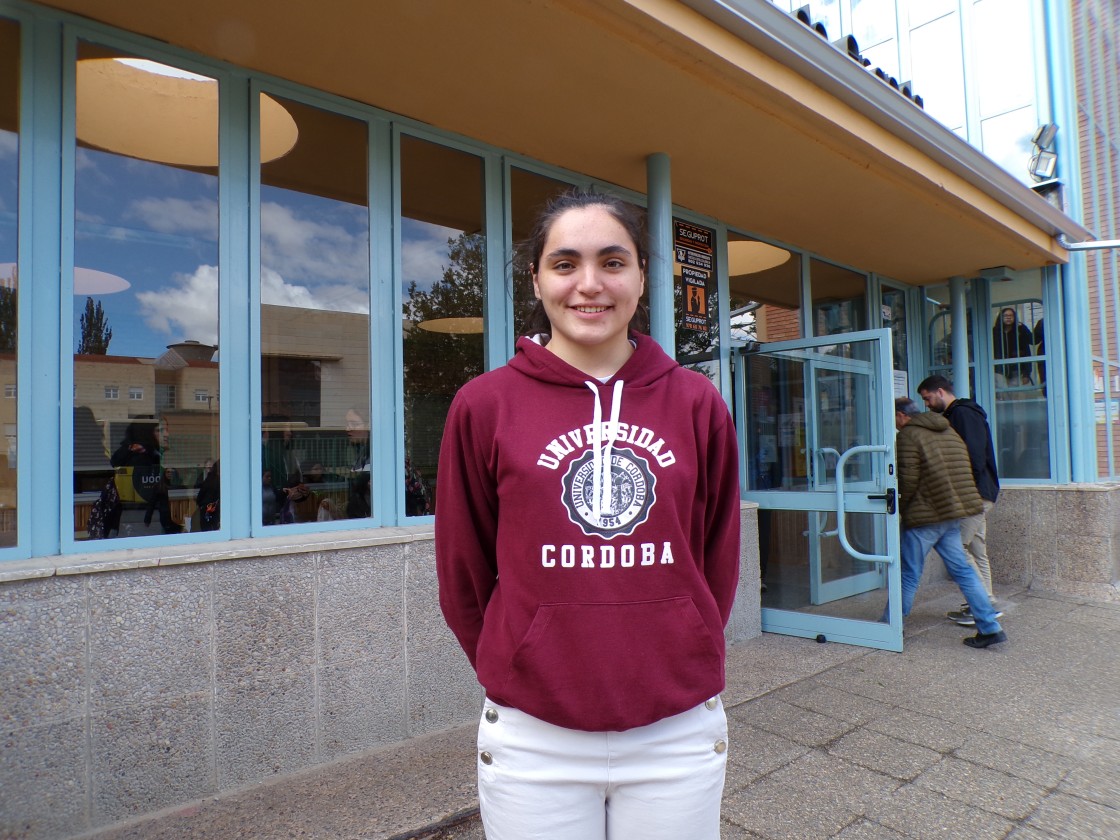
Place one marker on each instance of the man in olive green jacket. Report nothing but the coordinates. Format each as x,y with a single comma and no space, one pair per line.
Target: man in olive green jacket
936,491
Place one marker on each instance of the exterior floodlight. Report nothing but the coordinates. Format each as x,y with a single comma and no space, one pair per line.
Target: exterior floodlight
1044,135
1043,165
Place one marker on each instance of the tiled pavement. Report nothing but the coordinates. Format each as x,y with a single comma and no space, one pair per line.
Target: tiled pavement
827,741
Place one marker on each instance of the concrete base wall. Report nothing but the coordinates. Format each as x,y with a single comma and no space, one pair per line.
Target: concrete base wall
1059,538
129,690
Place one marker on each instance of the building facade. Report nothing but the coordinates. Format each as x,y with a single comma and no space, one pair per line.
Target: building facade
272,247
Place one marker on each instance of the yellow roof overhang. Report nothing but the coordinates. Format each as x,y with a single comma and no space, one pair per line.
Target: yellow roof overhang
768,128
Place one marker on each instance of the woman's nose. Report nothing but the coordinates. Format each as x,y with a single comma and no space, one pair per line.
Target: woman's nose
589,279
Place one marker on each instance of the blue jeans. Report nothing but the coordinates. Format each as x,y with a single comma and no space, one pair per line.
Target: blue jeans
946,538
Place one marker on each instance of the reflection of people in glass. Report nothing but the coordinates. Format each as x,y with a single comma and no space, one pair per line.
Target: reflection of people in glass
209,499
358,501
161,502
1012,340
1039,338
137,461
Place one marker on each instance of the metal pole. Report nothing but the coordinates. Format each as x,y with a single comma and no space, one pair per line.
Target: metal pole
660,274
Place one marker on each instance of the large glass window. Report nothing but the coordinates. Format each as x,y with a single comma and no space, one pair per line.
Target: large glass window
893,317
764,286
1021,428
529,193
315,315
443,261
9,276
145,296
839,299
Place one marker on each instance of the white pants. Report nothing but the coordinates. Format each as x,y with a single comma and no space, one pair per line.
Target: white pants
664,781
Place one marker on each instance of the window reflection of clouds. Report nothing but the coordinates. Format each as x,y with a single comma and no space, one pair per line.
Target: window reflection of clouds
424,252
314,240
186,306
157,229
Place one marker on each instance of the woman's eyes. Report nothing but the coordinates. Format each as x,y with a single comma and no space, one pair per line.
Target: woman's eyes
568,265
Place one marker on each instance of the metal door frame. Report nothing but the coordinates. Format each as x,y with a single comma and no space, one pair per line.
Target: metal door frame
839,498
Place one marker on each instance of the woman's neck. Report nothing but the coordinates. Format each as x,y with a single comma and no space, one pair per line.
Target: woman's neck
599,361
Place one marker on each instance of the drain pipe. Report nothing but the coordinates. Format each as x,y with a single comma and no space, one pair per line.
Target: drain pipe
1093,245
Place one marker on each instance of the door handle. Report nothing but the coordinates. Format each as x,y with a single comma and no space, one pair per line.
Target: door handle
889,497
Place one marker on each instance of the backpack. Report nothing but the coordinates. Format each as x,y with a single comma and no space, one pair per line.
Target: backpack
102,511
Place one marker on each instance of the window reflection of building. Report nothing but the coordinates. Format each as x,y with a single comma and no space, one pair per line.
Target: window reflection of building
314,315
145,237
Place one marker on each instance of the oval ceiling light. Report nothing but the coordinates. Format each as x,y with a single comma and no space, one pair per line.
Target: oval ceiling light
453,326
750,256
151,111
747,256
87,281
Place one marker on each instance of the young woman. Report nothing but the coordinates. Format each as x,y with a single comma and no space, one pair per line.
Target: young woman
587,546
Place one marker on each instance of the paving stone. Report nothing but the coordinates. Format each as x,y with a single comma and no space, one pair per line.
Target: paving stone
1071,818
983,787
920,813
837,791
879,752
754,752
1045,769
832,701
1095,780
864,829
793,722
923,730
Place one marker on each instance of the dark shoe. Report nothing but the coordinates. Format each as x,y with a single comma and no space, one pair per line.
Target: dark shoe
962,616
983,640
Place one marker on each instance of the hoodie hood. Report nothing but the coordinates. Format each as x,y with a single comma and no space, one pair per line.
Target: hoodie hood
648,364
929,420
965,404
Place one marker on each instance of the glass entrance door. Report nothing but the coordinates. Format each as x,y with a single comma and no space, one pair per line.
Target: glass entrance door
816,420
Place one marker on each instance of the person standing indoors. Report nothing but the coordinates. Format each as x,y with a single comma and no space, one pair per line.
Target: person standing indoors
936,491
970,421
1012,340
587,549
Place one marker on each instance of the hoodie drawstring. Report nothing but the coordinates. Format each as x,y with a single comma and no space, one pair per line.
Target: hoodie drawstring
601,449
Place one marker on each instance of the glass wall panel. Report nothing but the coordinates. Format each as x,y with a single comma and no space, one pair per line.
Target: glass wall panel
529,193
145,298
764,285
9,276
315,315
443,260
893,317
1021,425
839,299
937,65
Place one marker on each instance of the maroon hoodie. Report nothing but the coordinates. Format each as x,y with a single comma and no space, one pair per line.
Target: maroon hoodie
588,581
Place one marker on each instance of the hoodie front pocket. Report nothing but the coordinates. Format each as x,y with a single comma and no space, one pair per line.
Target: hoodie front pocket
611,666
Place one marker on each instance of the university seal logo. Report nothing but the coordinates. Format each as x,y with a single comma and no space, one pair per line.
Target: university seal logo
625,506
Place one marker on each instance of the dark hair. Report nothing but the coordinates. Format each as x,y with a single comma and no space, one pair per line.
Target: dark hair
141,433
937,382
1014,314
907,406
579,198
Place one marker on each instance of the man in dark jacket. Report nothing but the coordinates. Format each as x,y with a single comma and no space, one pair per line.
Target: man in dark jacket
969,421
936,491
